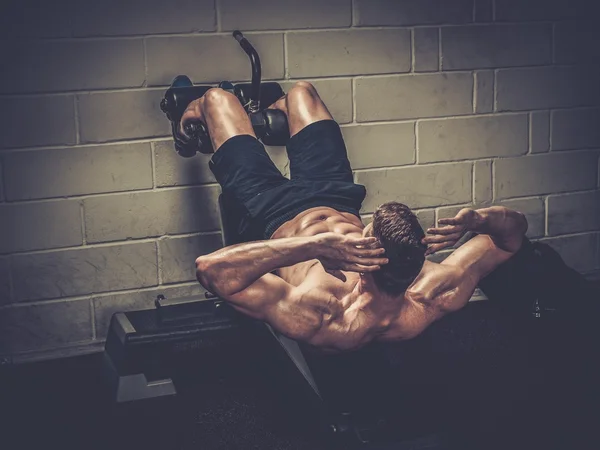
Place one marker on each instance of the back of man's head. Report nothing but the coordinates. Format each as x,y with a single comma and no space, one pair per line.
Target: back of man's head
400,233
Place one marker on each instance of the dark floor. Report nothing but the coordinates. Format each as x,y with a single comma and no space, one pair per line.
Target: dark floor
473,380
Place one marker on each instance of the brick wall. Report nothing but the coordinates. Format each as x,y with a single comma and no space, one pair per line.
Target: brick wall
443,103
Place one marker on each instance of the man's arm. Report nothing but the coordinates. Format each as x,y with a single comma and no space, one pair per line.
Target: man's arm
234,268
500,235
240,275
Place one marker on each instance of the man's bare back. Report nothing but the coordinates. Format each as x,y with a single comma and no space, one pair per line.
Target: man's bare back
359,317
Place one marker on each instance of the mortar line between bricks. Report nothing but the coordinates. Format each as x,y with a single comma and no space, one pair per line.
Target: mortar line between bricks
546,221
550,114
493,181
250,31
11,282
153,165
93,319
473,196
529,134
440,58
83,230
140,88
217,5
145,53
493,11
553,45
115,243
353,15
159,274
475,91
104,194
413,52
353,99
76,119
286,63
495,91
416,131
94,295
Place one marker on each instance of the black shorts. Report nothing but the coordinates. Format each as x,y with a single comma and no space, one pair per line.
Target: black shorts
320,175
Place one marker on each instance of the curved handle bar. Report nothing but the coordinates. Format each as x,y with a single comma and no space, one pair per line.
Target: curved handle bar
256,69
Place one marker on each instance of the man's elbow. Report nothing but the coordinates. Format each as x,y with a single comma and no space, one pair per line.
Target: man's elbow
204,272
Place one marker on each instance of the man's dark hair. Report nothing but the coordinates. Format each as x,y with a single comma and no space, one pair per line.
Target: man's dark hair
400,233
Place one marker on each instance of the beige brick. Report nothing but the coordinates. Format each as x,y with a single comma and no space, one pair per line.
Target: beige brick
484,10
426,49
284,14
348,52
576,42
546,87
520,10
482,183
534,210
44,66
412,12
33,226
575,129
491,46
426,218
145,214
472,137
118,18
380,145
484,91
417,186
35,18
413,96
580,252
122,115
539,131
5,295
545,174
106,306
173,170
573,213
84,271
43,326
177,255
168,57
54,124
337,95
84,170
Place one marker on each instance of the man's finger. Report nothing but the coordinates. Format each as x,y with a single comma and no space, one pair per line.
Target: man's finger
368,252
364,241
450,229
360,268
433,239
371,261
448,221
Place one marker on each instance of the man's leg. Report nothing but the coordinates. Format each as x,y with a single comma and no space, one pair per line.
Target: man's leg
303,106
222,114
316,149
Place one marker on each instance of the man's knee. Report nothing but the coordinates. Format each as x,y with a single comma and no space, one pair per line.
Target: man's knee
303,88
218,97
